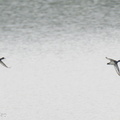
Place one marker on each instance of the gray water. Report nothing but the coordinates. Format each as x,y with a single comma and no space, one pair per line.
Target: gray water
56,52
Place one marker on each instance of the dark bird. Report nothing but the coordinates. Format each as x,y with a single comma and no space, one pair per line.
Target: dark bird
2,63
115,63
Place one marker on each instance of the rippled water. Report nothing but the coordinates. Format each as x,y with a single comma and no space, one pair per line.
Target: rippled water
56,52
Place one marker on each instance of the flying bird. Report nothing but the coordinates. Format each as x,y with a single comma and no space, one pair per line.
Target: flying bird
115,63
2,63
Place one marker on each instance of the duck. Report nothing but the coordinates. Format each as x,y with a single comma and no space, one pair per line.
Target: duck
2,63
115,64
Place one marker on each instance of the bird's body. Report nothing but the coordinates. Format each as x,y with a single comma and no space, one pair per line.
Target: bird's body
115,63
2,63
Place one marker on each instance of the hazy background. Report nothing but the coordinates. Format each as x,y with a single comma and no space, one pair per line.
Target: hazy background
56,50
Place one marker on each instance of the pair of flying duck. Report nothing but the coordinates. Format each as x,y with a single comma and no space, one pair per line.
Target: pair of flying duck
112,62
115,63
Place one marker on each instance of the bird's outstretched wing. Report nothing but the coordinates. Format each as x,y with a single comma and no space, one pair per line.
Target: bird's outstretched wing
110,59
117,69
2,63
